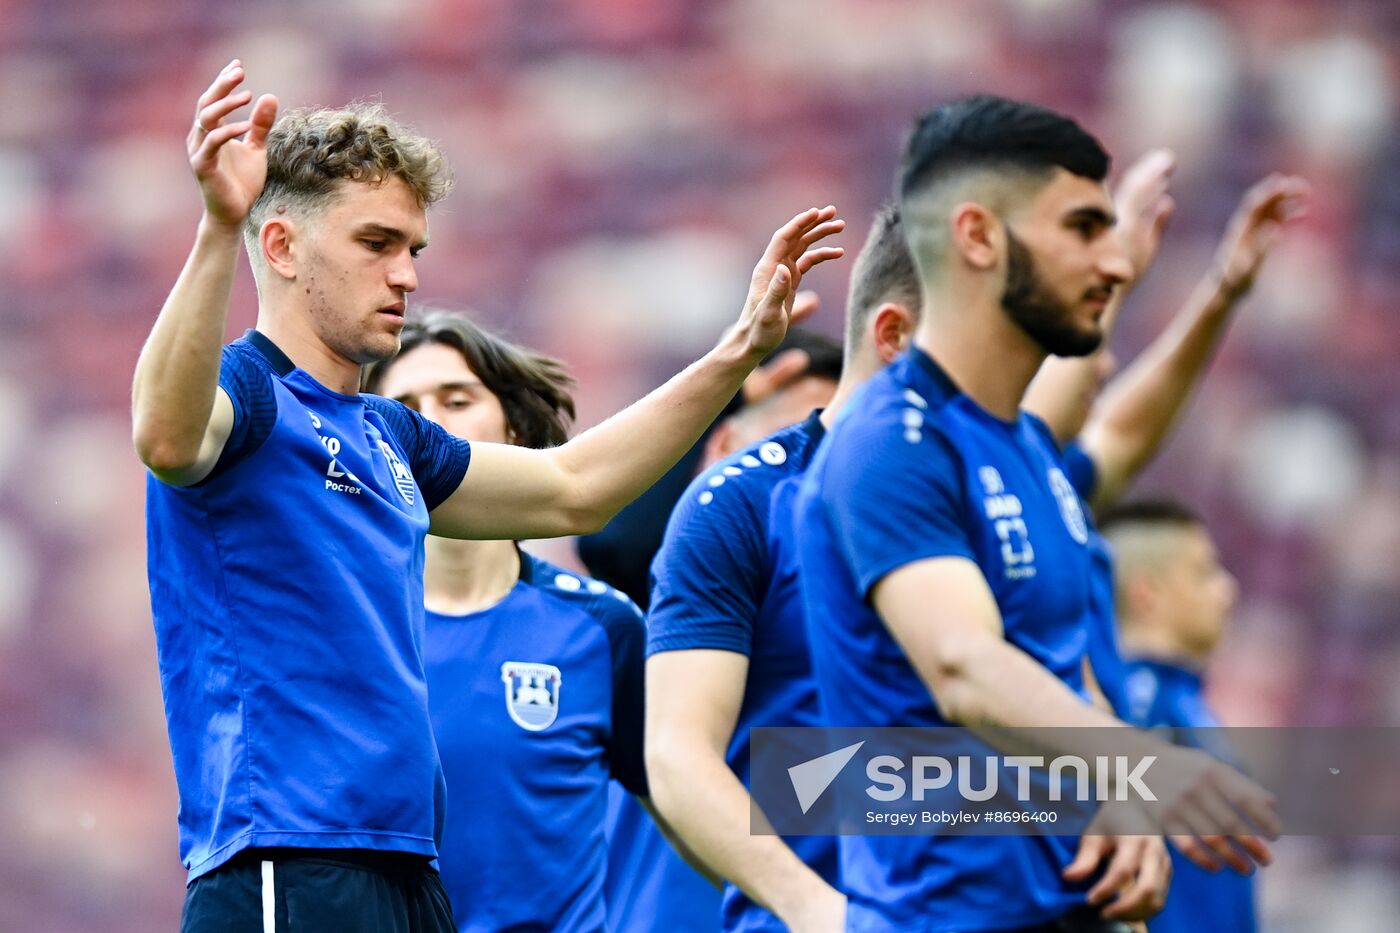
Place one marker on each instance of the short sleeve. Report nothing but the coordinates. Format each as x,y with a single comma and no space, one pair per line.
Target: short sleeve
438,459
710,575
627,643
880,525
1080,469
248,383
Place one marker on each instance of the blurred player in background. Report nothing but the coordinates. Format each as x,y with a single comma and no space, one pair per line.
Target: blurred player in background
921,607
650,887
286,513
535,674
1174,602
727,645
620,554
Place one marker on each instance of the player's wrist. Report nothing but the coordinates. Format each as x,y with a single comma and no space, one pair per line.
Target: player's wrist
214,230
736,352
811,906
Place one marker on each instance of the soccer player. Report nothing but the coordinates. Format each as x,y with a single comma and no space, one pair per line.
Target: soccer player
727,645
922,603
1174,602
650,887
1128,425
535,674
286,513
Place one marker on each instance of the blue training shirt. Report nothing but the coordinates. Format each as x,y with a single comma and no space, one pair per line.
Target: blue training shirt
1161,694
287,594
649,886
1105,653
913,469
726,579
537,704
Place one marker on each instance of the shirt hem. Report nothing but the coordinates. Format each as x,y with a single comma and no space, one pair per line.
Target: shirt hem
314,839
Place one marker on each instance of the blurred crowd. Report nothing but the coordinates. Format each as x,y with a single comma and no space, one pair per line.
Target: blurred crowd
619,165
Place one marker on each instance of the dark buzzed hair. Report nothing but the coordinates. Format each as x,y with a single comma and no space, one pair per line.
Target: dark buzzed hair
823,354
535,390
883,271
988,132
1147,512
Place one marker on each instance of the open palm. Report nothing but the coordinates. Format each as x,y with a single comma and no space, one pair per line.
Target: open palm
231,172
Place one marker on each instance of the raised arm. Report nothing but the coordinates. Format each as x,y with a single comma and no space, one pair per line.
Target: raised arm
180,420
512,492
692,707
1063,391
1139,408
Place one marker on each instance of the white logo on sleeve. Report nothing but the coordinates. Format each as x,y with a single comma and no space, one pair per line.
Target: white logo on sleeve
403,476
1070,510
532,693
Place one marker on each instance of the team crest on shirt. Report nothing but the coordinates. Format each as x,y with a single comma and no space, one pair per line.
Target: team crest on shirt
403,476
1070,509
532,693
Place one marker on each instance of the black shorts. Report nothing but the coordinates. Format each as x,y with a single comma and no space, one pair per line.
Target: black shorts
318,891
1082,920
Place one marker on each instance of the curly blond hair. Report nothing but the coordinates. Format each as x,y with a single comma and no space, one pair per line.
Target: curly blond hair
311,151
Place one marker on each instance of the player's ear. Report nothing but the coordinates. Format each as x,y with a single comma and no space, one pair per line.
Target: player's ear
977,235
892,330
1142,595
722,442
277,239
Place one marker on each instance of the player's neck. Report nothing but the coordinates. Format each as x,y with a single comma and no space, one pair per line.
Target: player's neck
309,353
1160,644
985,354
468,576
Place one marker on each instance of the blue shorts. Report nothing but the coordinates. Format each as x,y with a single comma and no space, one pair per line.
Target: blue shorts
318,891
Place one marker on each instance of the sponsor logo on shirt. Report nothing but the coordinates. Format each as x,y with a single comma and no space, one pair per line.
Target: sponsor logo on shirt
1003,509
532,693
337,479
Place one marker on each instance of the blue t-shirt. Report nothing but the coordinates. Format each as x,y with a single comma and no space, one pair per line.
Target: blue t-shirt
649,886
1160,694
913,469
1105,654
726,579
537,705
287,593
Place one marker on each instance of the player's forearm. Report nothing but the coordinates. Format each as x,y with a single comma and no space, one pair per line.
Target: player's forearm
1041,716
177,372
709,808
1140,407
613,463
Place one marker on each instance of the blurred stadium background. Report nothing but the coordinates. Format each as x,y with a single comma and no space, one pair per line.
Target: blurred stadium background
620,163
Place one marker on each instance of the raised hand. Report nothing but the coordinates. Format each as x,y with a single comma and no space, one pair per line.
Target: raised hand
1213,814
787,367
230,171
1255,227
791,253
1144,207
